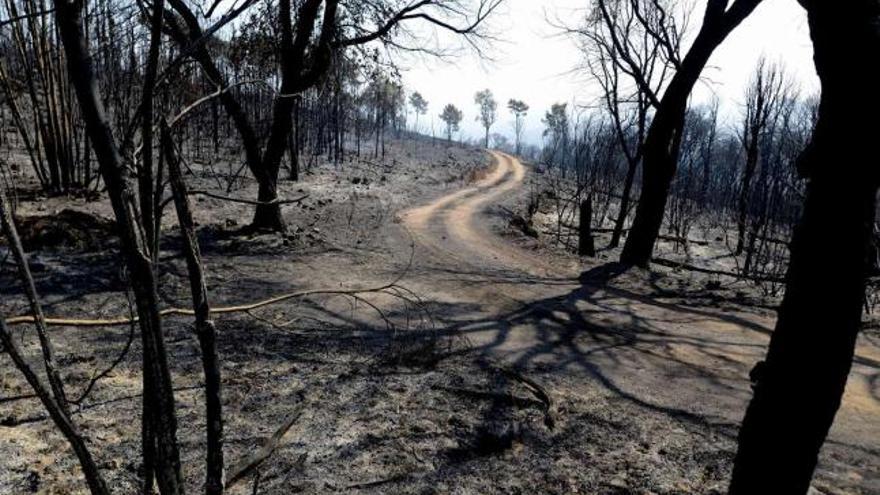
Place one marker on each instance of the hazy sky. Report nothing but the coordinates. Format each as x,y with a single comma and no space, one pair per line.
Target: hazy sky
534,63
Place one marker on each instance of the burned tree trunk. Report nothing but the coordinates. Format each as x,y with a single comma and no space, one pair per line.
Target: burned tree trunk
798,388
296,76
52,373
94,480
146,174
620,221
53,398
205,330
664,136
160,416
586,247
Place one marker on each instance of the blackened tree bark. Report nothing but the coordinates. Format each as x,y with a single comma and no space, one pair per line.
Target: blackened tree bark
798,388
94,480
146,180
52,397
305,56
158,394
194,38
762,102
586,246
296,76
663,142
7,227
205,330
634,41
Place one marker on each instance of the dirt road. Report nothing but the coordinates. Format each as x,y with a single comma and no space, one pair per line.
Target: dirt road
683,360
647,389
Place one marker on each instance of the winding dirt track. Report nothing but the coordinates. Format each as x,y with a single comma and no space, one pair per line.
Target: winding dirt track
450,226
678,358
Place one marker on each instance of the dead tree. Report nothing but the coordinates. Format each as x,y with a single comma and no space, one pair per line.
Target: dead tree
630,49
763,99
689,190
147,177
799,386
53,397
204,327
52,373
160,419
665,133
304,57
44,118
95,481
585,234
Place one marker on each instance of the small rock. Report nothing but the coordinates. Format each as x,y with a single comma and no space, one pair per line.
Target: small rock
33,480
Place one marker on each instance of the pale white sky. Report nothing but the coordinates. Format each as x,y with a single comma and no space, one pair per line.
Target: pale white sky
535,64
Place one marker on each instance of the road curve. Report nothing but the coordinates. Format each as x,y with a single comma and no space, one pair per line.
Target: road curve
456,227
661,354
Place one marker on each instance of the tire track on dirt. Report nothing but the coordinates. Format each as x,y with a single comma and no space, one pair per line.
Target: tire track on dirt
663,356
455,226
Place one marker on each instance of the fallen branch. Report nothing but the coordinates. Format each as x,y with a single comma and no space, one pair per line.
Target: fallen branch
276,201
692,268
536,389
499,398
253,460
243,308
668,238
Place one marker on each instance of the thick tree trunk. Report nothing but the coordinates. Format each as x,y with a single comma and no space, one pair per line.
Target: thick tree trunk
269,217
158,394
663,143
798,388
586,247
661,156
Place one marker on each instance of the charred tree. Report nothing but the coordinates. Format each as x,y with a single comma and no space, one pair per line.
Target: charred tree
205,330
799,385
586,247
160,418
661,148
305,54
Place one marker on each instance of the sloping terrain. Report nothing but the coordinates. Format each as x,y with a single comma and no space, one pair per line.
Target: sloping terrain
482,362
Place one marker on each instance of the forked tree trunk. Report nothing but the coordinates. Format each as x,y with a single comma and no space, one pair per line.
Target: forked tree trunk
799,386
663,143
296,77
158,393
